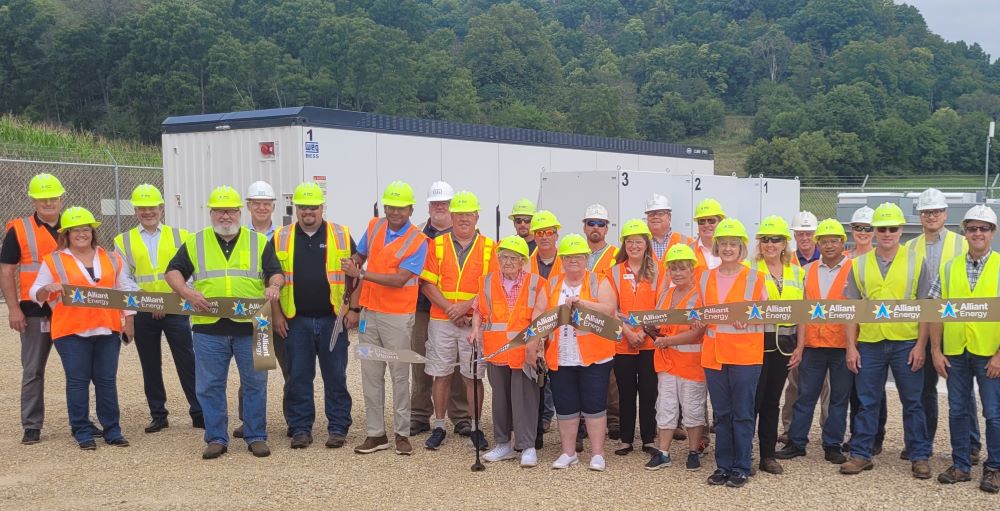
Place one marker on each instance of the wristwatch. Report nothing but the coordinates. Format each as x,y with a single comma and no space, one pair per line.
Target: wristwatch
361,275
355,309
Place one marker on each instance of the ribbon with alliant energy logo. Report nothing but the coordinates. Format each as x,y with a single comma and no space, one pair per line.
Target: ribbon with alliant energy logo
256,311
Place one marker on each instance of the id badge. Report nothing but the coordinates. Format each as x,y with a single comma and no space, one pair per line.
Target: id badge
361,325
46,326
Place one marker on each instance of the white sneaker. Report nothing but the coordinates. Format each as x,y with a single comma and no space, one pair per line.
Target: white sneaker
499,453
597,463
529,457
565,461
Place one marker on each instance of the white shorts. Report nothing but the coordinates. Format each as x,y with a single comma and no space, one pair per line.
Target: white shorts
676,394
447,344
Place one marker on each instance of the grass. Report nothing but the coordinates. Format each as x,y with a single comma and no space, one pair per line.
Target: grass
21,139
730,143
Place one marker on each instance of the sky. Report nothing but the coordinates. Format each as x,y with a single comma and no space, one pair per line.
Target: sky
963,20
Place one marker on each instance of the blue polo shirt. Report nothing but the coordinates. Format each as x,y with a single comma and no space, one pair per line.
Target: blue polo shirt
413,264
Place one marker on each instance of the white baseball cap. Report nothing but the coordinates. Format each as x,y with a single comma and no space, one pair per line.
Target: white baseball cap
596,212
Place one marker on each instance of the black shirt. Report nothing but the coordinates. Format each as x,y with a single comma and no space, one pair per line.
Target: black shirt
225,326
532,245
544,269
423,303
311,291
10,253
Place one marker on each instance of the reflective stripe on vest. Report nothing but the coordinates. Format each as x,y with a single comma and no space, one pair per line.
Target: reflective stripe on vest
203,273
980,338
337,248
155,281
899,283
488,292
69,320
29,234
831,335
34,243
953,246
439,252
238,276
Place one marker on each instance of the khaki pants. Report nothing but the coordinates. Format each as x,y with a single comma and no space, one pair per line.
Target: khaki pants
390,331
421,407
792,393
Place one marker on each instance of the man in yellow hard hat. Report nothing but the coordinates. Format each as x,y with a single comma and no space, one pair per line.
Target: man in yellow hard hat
394,250
227,260
147,249
27,241
521,215
450,280
312,301
707,214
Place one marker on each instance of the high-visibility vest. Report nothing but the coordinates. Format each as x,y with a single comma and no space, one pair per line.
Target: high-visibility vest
338,246
148,277
457,282
606,260
633,298
556,270
791,283
702,263
217,277
503,323
899,283
954,246
724,344
683,361
981,339
674,238
826,335
69,320
35,242
385,258
592,347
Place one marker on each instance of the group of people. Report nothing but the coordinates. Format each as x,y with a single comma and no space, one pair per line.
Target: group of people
452,294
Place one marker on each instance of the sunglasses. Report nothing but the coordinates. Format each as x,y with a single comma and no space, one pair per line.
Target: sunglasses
887,229
308,208
522,220
597,223
707,221
771,239
545,233
978,228
862,228
932,212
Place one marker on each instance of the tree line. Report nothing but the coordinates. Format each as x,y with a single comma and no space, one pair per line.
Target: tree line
835,87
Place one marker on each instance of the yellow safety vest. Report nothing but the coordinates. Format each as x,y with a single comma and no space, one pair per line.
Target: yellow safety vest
792,280
337,247
150,278
954,246
981,339
899,283
214,276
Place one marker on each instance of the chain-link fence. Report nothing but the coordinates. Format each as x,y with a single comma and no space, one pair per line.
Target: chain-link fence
822,196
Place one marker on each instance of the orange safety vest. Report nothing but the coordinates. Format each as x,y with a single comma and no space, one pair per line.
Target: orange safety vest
682,361
633,298
556,265
458,283
674,238
606,261
826,335
385,258
592,346
68,320
501,322
723,343
35,242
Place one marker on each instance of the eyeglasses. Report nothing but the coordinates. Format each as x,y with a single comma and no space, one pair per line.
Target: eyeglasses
308,208
639,242
659,212
226,212
862,228
887,229
978,228
826,242
707,221
510,259
440,204
545,233
597,223
931,212
522,220
771,239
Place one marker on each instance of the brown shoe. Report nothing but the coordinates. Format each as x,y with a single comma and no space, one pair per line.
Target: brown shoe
953,475
771,466
856,466
921,469
373,444
259,449
990,482
336,441
783,438
403,446
213,450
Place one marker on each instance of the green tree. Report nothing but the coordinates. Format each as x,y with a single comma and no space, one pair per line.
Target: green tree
600,110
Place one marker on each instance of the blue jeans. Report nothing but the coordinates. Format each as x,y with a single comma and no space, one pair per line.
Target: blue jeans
581,390
816,362
85,360
964,368
876,360
733,391
212,354
308,340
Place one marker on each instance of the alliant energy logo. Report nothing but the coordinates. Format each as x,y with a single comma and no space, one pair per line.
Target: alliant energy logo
715,314
91,297
898,311
964,310
144,302
773,313
649,318
836,311
587,320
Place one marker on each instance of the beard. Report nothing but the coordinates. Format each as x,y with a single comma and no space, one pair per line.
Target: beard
224,230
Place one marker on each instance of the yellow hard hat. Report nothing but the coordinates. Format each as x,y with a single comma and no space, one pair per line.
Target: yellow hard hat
75,217
707,208
514,243
829,227
731,228
523,207
45,186
464,202
633,227
398,194
146,196
224,197
544,219
308,194
681,252
573,244
888,214
774,225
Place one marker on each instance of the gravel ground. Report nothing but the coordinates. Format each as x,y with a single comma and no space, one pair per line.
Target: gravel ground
165,470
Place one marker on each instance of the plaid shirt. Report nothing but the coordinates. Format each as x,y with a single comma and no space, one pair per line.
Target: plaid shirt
510,296
973,268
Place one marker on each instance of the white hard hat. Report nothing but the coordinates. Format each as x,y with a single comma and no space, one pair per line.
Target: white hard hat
260,190
657,203
440,191
982,213
863,215
931,198
804,221
596,212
